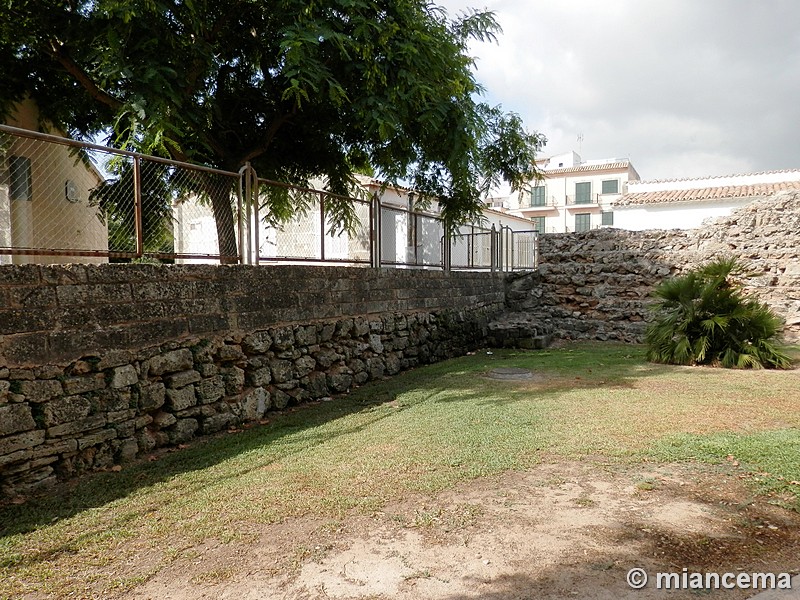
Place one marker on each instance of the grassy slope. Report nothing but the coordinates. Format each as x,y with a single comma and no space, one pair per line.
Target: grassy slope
421,431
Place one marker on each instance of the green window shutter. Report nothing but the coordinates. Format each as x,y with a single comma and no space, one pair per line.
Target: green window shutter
538,197
611,186
583,193
583,222
538,224
607,217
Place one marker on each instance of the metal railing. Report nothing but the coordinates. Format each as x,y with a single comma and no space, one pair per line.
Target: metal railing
74,201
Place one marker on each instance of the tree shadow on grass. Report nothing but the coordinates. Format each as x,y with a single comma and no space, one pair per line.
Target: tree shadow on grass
454,380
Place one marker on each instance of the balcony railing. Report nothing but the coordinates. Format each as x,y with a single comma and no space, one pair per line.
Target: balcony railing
527,203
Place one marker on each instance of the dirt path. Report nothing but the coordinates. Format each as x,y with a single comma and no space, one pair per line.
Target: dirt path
558,531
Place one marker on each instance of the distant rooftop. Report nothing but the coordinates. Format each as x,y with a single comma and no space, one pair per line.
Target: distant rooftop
571,162
699,189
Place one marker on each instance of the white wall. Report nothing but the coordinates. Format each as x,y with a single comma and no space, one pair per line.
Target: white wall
688,215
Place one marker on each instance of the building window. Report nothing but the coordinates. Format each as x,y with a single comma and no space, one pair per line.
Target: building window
607,218
538,224
583,193
538,197
20,175
583,222
611,186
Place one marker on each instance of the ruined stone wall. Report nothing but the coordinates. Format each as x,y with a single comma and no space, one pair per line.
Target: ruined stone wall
99,364
597,284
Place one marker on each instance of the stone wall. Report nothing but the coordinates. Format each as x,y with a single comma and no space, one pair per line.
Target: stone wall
99,364
597,284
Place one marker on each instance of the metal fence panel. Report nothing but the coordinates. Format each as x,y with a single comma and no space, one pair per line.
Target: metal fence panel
46,205
63,199
471,248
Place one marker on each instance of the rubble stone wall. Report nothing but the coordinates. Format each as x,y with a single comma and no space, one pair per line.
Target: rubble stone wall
101,363
597,284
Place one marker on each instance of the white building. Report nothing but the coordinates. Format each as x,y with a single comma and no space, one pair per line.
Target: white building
409,235
574,195
686,203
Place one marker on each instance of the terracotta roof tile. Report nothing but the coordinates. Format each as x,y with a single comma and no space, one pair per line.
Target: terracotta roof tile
583,168
707,193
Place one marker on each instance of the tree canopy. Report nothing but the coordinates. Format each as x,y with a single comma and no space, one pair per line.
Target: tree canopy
298,88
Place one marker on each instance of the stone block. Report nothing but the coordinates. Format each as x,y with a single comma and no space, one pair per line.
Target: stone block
304,365
260,377
233,378
282,370
183,431
80,385
231,353
170,362
5,390
280,399
95,438
339,379
152,396
15,418
21,441
326,357
181,399
66,410
210,390
128,449
164,420
306,335
119,416
257,343
182,378
86,424
217,422
55,447
255,403
39,390
376,367
316,383
124,376
282,338
15,457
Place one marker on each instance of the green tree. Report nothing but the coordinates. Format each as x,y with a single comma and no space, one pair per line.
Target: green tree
298,88
115,208
704,317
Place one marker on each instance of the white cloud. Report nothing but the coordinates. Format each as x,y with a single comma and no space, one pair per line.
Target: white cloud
684,88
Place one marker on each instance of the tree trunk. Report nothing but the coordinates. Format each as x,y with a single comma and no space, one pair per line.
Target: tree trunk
226,226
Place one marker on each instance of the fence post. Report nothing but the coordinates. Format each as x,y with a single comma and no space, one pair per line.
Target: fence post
137,208
248,215
493,248
375,233
446,251
322,227
256,216
242,189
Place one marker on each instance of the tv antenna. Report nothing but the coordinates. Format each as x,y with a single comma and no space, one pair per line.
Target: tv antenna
580,143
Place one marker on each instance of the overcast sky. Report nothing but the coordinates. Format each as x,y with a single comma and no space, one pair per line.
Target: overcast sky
683,88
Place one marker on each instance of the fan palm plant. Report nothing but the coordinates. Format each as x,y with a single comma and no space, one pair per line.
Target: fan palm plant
705,317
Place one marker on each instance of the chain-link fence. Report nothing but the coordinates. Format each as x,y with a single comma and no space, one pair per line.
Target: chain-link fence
66,201
472,248
323,227
409,238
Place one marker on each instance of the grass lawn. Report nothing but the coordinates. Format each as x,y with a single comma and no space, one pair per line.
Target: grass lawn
420,432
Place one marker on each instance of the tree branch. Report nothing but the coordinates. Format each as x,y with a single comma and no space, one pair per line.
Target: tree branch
70,66
269,136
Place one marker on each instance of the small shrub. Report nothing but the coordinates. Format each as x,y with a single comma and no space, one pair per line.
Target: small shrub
705,317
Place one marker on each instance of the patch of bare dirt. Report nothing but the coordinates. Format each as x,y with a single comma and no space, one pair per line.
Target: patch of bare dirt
562,530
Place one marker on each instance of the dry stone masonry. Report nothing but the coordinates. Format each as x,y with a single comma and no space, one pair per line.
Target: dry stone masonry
597,284
103,363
